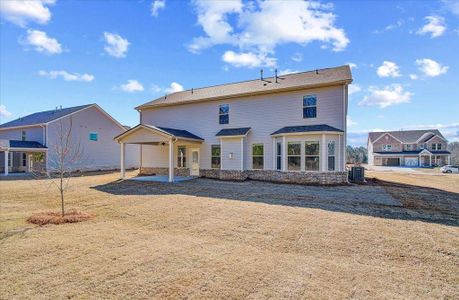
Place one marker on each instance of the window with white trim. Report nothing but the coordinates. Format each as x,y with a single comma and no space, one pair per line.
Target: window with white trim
294,156
387,147
331,156
279,156
23,135
215,156
309,106
257,156
311,156
436,146
181,157
223,114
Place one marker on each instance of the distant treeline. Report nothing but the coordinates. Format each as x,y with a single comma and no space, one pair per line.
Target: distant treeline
356,155
454,149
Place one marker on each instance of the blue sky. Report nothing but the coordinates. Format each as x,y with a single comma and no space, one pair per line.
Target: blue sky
120,54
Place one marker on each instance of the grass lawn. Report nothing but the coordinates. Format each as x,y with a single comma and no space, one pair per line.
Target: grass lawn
210,239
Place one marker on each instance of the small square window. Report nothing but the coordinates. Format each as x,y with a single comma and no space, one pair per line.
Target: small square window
93,136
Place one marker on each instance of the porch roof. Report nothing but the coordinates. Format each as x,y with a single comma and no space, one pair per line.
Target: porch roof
161,131
13,145
436,152
233,132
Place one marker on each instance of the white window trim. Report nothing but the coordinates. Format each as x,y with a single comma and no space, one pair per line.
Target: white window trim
182,157
305,106
258,144
299,155
211,156
328,156
222,114
308,155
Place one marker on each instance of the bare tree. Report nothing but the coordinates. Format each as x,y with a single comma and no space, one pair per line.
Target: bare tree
68,155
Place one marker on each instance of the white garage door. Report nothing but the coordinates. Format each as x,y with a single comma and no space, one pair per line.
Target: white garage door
411,161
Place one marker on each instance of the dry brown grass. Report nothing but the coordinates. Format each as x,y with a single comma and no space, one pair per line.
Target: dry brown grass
205,239
56,218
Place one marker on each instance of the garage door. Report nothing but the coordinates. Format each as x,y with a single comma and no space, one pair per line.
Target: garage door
411,161
391,162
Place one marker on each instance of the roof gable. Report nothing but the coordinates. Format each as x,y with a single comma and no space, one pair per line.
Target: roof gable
43,117
407,136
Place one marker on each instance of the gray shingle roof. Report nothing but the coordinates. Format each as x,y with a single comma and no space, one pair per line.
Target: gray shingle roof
233,131
180,133
43,116
295,81
414,152
406,136
25,144
306,128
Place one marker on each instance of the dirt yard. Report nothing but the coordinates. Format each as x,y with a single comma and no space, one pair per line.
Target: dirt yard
210,239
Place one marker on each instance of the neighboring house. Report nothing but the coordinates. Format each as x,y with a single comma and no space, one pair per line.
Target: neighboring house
411,148
28,143
290,128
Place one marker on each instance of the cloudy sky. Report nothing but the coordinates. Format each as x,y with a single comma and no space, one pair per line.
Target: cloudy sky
119,54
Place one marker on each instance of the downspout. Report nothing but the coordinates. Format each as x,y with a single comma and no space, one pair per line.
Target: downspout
345,126
141,148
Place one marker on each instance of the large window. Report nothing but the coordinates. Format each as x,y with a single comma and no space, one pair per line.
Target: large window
311,156
93,136
223,114
387,147
331,156
309,106
257,156
294,156
181,157
279,156
23,135
436,146
215,159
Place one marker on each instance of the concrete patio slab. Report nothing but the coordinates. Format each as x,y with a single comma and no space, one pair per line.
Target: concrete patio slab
161,178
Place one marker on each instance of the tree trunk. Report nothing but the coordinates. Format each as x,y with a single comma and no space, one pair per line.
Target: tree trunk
62,195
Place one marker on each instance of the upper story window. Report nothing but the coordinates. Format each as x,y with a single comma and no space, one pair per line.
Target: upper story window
309,106
181,157
223,114
436,146
23,135
257,156
93,136
387,147
424,146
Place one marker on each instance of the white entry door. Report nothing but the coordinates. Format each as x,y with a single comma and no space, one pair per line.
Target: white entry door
194,162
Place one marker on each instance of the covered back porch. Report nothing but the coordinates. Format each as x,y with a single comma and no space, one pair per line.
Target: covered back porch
22,157
173,151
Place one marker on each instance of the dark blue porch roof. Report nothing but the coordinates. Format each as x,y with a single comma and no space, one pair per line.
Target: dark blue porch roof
306,128
233,131
26,144
180,133
43,116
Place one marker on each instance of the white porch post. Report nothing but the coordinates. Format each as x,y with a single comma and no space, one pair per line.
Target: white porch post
323,154
6,162
284,154
171,161
123,160
242,153
430,160
274,154
449,159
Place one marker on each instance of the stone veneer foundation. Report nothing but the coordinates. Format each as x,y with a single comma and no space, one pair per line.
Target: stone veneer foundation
320,178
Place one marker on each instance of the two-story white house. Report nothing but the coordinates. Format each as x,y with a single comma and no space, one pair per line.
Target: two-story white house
290,128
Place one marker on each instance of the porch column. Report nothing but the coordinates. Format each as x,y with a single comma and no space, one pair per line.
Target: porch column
430,160
242,153
123,170
171,161
6,162
449,159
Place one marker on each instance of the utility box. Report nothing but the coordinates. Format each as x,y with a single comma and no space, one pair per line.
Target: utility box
357,174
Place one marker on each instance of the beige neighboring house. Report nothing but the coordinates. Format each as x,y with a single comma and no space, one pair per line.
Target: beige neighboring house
290,128
27,143
409,148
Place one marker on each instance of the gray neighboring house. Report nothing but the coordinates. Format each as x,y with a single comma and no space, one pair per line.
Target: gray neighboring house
410,148
27,143
289,128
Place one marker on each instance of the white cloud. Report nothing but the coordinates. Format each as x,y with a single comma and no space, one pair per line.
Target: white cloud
22,12
67,76
248,59
298,57
259,27
174,87
387,96
388,69
42,42
156,6
389,27
435,26
287,71
350,122
354,88
4,113
352,65
132,86
430,67
115,45
452,6
413,76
